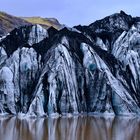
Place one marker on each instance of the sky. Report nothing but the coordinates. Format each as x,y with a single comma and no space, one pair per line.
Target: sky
70,12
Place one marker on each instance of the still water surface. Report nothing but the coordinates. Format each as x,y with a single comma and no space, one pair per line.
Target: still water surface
79,128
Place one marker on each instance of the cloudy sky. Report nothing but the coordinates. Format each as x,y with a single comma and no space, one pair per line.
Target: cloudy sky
70,12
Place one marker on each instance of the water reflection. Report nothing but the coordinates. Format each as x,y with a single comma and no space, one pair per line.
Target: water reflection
80,128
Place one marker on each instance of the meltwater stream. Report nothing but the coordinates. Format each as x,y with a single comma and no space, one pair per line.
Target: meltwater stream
79,128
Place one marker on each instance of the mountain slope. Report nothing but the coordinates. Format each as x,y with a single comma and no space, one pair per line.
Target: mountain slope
9,22
45,22
72,71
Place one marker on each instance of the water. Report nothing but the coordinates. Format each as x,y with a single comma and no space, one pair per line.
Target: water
79,128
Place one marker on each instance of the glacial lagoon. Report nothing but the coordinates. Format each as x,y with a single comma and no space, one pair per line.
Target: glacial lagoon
74,128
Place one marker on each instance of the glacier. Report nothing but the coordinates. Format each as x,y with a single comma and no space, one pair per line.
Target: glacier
80,70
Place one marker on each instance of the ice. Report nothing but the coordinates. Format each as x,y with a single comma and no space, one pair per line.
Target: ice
37,34
100,43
